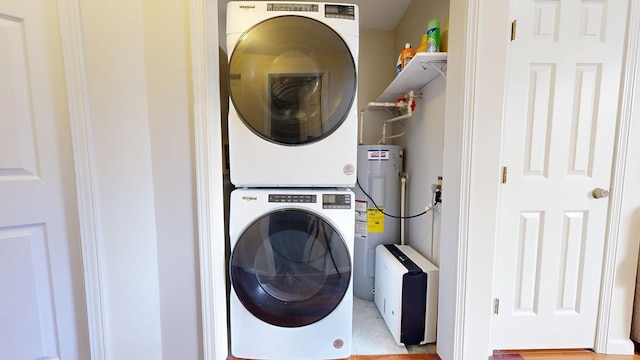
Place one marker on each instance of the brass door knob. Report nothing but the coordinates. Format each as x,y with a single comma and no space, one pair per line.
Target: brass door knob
599,193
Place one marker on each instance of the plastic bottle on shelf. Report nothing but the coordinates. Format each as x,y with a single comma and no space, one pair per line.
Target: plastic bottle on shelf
433,36
406,55
423,44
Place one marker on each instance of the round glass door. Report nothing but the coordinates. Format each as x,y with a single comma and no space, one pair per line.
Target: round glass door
290,268
292,80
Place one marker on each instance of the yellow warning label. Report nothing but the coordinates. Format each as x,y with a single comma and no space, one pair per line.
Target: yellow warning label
375,220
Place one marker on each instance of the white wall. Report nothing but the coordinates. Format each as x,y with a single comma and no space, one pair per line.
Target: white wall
169,105
138,73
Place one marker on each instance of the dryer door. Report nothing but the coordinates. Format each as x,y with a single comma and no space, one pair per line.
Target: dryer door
290,268
292,80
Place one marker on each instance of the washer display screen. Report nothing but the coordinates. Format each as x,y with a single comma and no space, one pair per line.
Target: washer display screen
290,268
292,80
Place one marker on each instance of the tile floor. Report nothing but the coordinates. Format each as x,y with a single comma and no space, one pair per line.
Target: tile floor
371,335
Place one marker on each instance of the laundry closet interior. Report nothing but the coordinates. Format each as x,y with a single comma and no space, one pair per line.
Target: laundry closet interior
304,192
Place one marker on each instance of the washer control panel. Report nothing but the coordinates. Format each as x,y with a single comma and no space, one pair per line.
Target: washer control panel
329,201
292,198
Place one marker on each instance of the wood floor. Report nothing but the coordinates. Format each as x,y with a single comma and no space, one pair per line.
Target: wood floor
513,355
508,355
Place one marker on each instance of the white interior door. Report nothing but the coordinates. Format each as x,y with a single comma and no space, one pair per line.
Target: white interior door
558,136
42,307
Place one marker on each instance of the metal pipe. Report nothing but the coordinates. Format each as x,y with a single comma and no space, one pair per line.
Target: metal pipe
382,104
361,127
383,141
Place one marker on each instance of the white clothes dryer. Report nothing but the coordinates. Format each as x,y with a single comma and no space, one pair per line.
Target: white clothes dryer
292,87
291,273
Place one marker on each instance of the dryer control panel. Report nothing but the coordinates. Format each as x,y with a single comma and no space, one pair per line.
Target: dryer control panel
340,11
330,10
336,201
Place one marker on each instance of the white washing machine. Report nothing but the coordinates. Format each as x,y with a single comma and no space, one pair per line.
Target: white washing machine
291,271
292,87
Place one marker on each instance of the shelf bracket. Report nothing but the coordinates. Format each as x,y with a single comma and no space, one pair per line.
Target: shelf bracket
439,66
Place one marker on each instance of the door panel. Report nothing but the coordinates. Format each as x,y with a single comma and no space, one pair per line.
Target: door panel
27,300
292,80
558,136
18,156
42,308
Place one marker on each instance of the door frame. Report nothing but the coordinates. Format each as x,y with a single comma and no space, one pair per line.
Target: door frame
84,166
472,216
209,177
626,115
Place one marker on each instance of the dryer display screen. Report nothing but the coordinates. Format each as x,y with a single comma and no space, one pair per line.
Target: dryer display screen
340,11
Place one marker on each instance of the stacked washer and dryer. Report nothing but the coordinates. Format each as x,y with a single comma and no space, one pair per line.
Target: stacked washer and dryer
292,152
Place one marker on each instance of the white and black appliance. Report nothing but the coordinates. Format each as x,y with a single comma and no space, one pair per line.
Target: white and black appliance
406,293
293,86
291,273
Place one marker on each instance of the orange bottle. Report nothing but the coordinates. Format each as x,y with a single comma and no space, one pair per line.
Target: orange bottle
406,55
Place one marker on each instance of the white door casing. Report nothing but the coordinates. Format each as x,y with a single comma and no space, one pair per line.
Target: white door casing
208,157
42,309
558,140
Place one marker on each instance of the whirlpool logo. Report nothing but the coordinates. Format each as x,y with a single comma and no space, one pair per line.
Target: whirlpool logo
247,7
249,198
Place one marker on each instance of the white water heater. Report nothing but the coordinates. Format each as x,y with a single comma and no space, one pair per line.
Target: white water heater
377,193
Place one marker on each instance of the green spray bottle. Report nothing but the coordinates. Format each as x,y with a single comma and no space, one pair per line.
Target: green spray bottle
433,36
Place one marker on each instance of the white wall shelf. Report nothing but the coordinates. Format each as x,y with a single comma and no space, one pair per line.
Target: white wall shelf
423,68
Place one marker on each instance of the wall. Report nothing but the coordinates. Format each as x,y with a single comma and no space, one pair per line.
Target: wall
138,91
376,64
169,105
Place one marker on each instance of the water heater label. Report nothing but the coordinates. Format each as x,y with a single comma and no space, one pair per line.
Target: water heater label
361,229
375,220
361,210
377,155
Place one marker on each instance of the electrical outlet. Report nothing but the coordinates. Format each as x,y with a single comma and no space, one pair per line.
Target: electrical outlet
438,191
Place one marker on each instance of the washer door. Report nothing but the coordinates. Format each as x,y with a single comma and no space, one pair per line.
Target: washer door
290,268
292,80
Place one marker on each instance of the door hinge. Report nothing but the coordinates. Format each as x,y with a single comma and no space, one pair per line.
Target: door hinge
504,174
496,306
513,29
